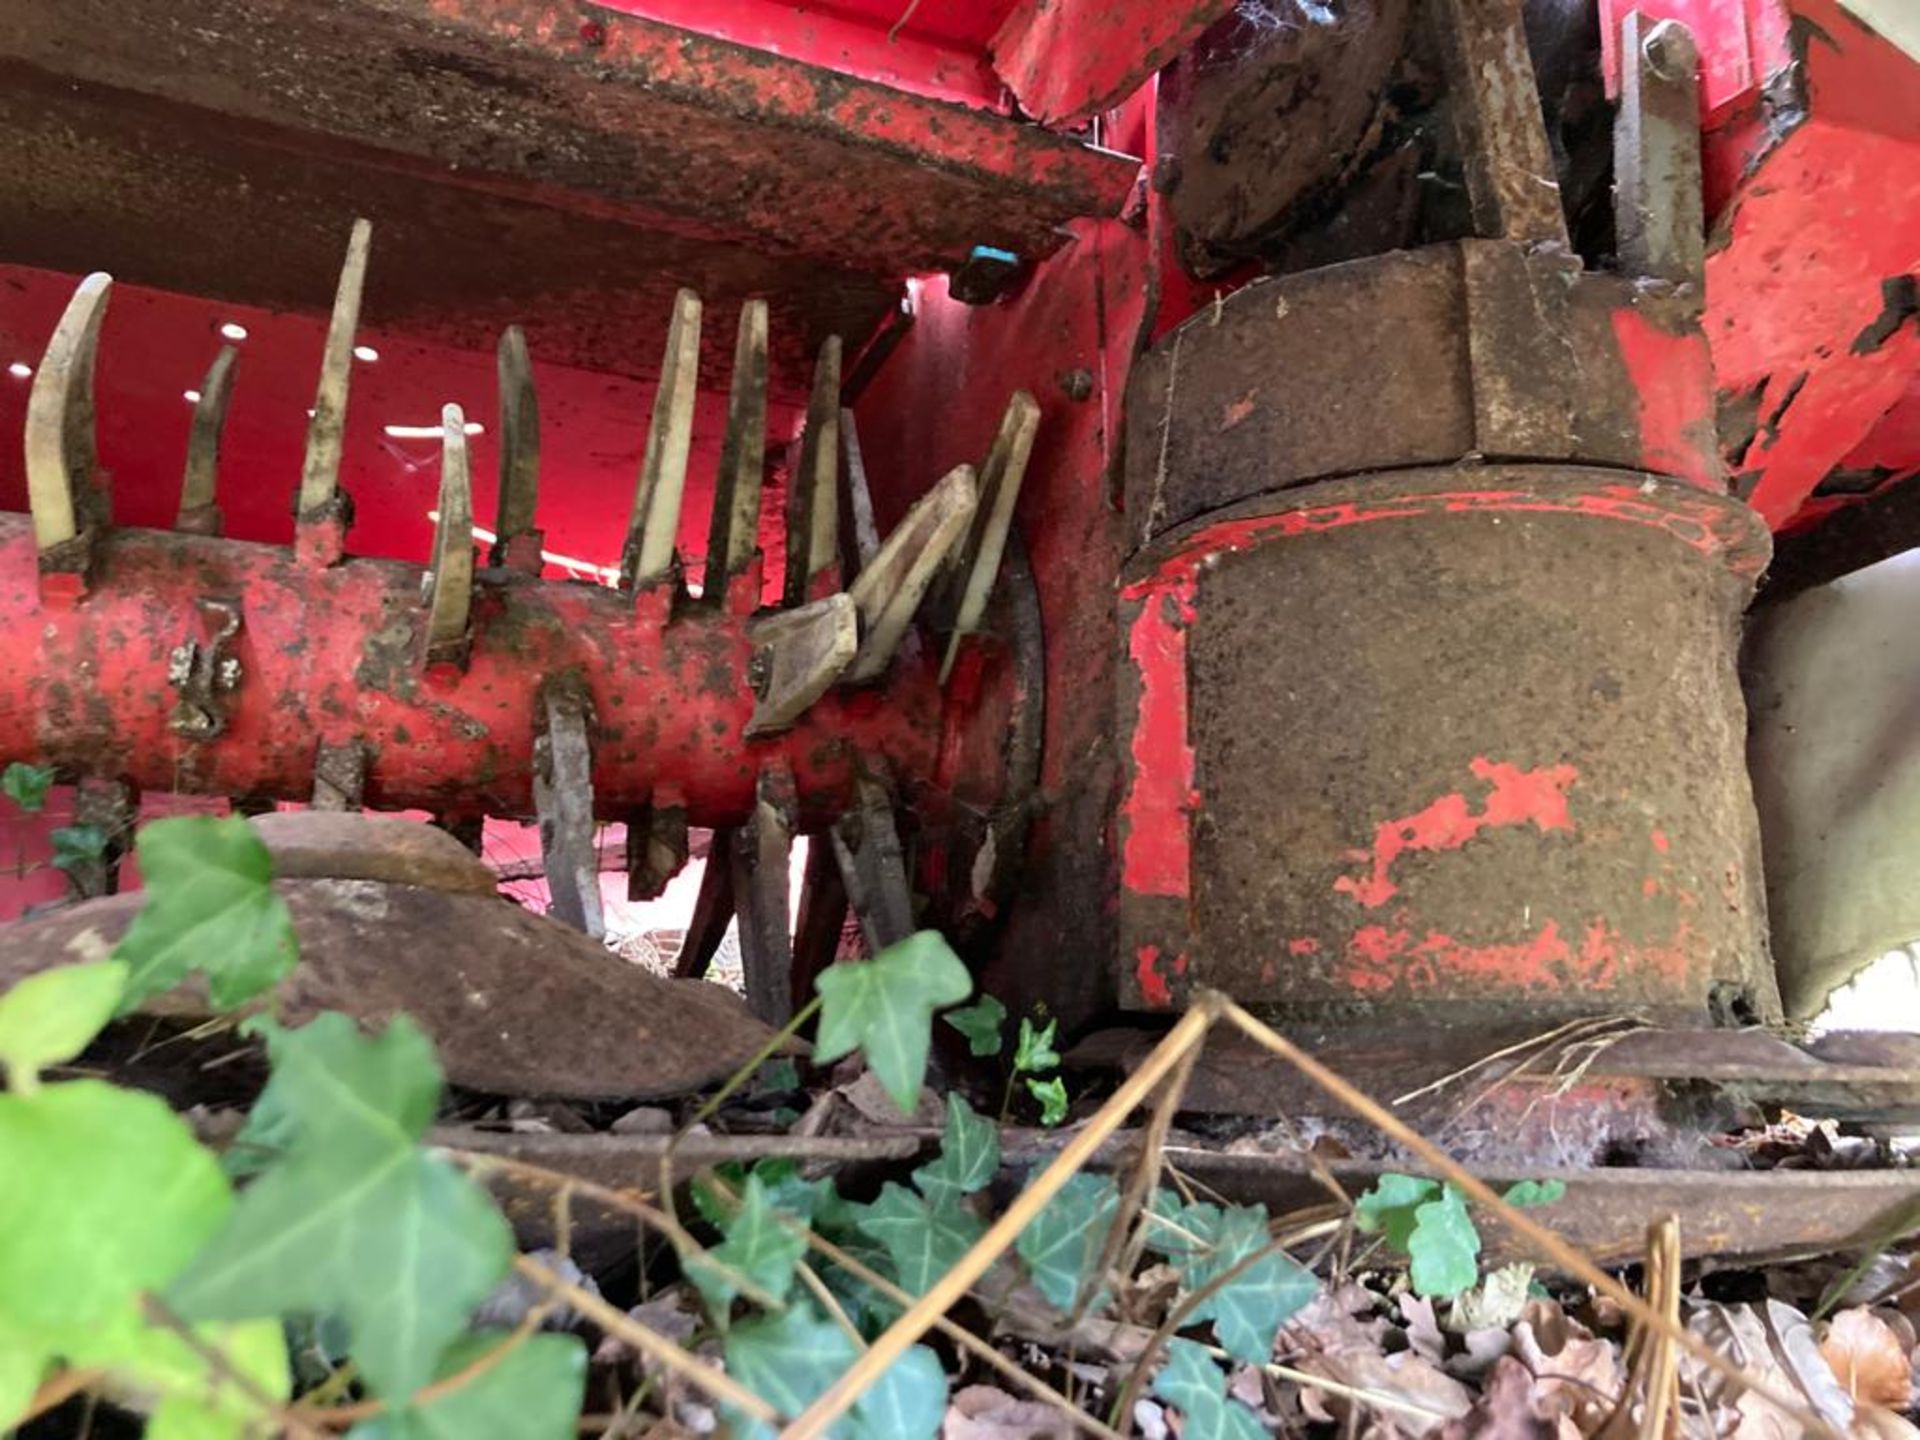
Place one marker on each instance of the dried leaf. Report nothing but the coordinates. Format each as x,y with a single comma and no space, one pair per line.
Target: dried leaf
1495,1303
1325,1339
1580,1379
1868,1359
1509,1409
982,1412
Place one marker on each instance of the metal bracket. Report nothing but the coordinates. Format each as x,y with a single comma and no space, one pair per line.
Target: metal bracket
204,673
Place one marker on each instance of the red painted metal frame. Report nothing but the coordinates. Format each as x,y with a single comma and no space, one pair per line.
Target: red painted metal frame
1814,204
1069,336
1066,60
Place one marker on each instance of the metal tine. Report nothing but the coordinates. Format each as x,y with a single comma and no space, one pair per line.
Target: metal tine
859,536
199,506
890,590
762,853
516,512
712,909
813,503
743,454
979,558
320,473
563,801
873,865
59,435
655,521
452,593
801,652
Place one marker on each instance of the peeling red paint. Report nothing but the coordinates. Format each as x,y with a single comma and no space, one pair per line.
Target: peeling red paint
1519,797
1156,852
1668,371
1661,842
1236,412
1154,989
1706,524
1378,960
1303,945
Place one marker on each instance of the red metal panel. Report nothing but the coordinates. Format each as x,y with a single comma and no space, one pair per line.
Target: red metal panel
1818,207
1068,59
940,50
1069,337
568,104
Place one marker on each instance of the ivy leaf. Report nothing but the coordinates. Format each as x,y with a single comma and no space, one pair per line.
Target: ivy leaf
49,1018
210,906
1179,1231
26,786
884,1007
791,1358
1444,1247
1390,1207
77,845
757,1248
1248,1310
788,1360
869,1310
1052,1095
356,1219
980,1022
22,1363
533,1392
1197,1388
906,1403
1034,1052
192,1397
119,1197
1066,1239
969,1156
923,1240
1530,1194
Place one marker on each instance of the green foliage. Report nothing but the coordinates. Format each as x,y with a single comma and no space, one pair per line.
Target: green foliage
355,1218
76,845
210,907
923,1240
757,1247
1206,1242
790,1359
884,1008
1390,1208
119,1198
969,1155
1427,1221
981,1023
49,1018
534,1389
1052,1095
1034,1051
1197,1388
1066,1239
191,1397
1531,1194
26,786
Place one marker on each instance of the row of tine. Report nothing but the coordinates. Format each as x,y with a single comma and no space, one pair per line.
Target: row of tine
847,598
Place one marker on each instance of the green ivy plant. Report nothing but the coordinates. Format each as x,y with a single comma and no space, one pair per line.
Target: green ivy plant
1427,1221
136,1263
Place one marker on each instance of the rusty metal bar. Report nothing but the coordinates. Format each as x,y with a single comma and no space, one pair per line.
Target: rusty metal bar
1659,211
1511,181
